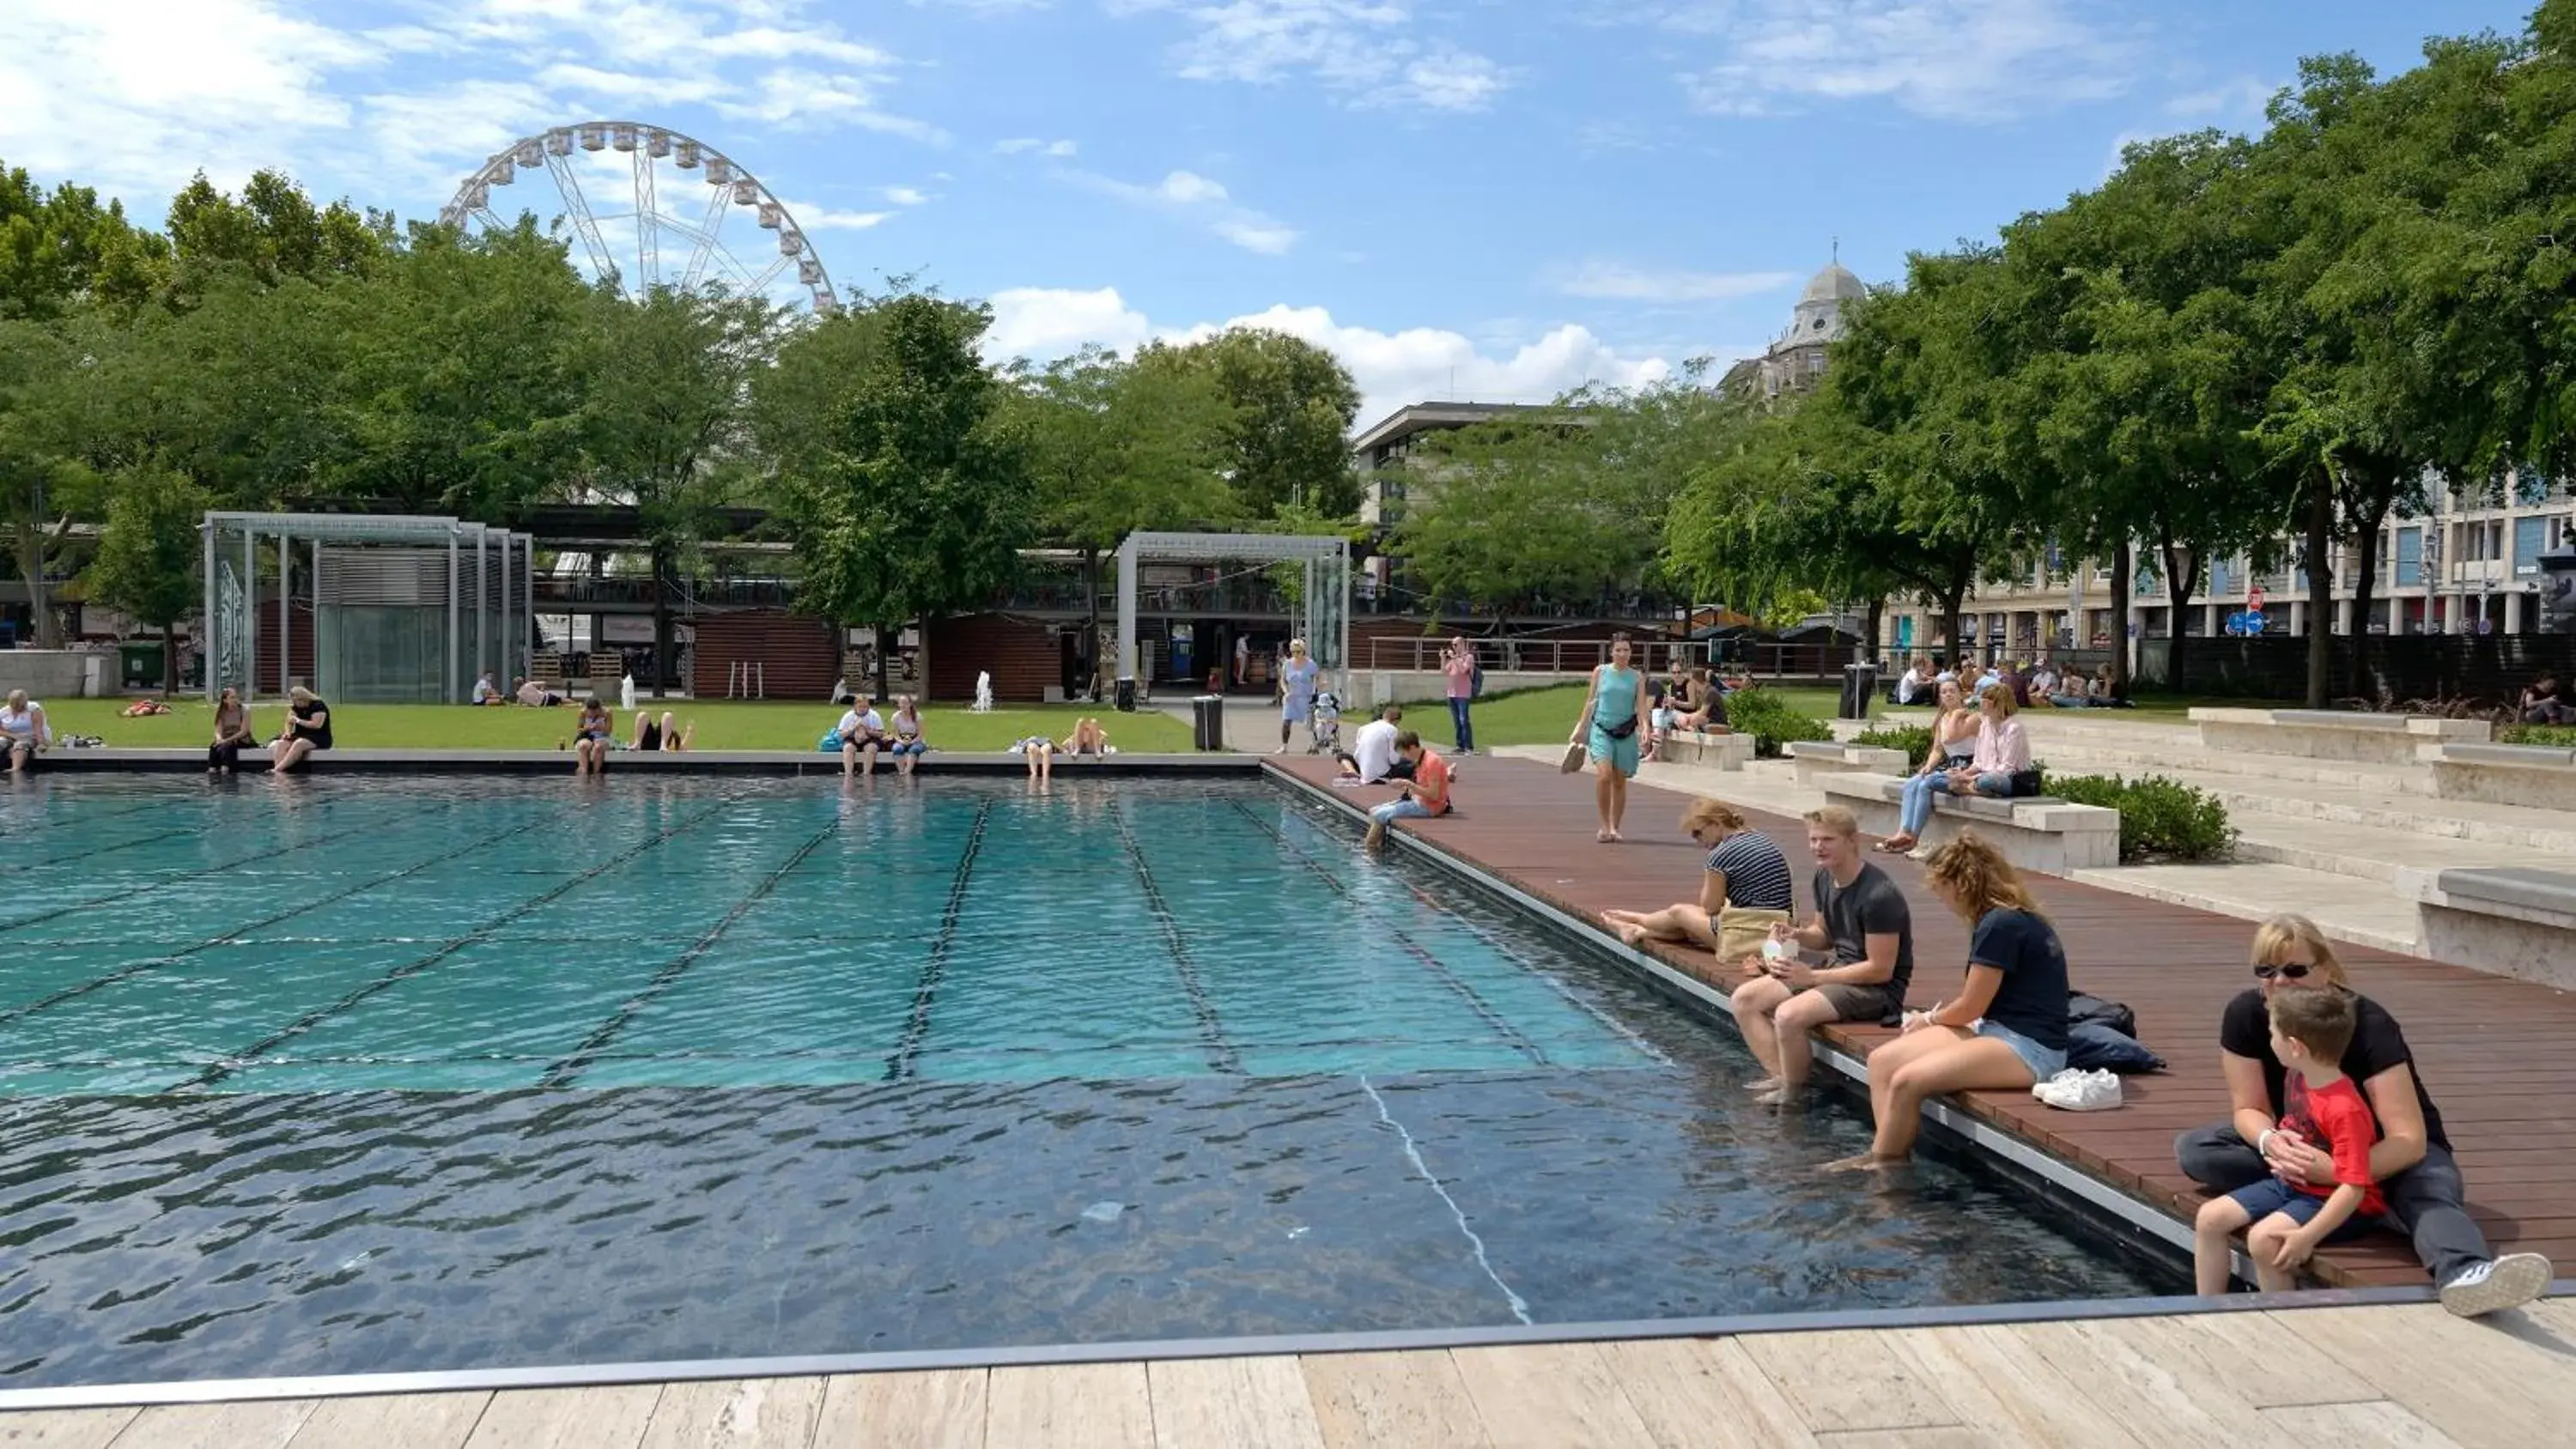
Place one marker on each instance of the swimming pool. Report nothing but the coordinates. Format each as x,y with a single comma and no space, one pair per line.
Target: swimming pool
366,1075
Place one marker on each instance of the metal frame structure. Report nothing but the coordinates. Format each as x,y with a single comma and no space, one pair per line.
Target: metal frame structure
729,183
1325,599
503,581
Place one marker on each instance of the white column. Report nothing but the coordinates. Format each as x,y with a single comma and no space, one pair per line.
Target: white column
447,690
206,621
2513,613
250,612
285,621
1127,609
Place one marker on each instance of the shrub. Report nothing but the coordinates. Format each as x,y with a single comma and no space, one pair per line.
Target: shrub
2562,736
1771,720
1914,740
2160,819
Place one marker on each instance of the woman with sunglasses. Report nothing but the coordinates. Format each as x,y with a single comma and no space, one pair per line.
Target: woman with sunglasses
2412,1160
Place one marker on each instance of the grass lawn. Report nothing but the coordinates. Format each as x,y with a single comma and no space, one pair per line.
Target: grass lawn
1546,716
722,725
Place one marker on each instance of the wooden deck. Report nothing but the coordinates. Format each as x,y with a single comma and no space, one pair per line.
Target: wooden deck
2346,1376
2499,1056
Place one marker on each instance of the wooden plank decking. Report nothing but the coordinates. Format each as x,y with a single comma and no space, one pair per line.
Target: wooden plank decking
2499,1056
2347,1376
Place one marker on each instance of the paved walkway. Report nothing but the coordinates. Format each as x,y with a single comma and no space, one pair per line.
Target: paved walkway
2494,1052
2341,1376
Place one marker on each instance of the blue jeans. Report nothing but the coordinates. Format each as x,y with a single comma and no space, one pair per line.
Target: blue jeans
2044,1061
1915,811
1459,726
1407,808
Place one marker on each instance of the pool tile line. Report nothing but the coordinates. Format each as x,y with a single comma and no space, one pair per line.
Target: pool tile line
903,1062
1413,1154
189,878
1438,968
233,1063
235,933
1221,1051
563,1072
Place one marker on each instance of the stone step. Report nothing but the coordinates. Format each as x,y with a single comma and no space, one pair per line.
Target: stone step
2348,908
2549,831
2404,859
2088,757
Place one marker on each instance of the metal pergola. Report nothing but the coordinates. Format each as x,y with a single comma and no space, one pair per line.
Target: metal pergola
1325,599
487,593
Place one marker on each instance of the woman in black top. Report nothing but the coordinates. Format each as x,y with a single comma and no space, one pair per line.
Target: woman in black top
308,728
2004,1031
2412,1160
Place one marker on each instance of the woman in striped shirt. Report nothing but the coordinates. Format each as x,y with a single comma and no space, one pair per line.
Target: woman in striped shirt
1746,889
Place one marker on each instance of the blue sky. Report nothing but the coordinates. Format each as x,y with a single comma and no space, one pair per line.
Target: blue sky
1469,198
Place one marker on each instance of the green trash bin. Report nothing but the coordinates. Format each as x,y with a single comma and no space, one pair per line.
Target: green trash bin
141,667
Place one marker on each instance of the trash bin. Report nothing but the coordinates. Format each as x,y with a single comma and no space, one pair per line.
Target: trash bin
141,664
1127,695
1860,681
1207,721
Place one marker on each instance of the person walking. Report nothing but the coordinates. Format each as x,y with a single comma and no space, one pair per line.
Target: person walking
1458,665
1613,714
1298,680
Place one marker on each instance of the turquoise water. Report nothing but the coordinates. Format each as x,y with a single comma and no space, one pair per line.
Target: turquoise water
381,1075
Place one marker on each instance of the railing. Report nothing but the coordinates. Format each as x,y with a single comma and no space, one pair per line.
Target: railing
1757,660
765,593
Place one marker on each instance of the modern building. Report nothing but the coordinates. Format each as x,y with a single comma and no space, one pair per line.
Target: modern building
1378,454
1795,360
2469,566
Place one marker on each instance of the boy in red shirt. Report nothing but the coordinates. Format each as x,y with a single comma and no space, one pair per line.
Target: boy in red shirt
1425,794
2310,1030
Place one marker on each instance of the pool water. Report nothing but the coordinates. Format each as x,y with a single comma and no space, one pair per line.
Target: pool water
349,1076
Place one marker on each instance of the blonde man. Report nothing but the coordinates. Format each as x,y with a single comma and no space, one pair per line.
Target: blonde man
1864,929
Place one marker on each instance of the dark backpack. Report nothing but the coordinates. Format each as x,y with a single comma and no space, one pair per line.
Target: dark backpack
2083,1008
1476,683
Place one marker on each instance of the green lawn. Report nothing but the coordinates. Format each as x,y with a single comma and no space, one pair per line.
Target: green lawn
721,724
1546,716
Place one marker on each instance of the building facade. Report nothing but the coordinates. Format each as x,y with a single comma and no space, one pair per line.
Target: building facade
1795,360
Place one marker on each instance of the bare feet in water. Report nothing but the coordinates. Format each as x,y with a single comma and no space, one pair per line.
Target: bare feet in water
1763,1084
1865,1162
1776,1096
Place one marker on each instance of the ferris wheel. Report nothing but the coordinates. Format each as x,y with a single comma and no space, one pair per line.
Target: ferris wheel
670,237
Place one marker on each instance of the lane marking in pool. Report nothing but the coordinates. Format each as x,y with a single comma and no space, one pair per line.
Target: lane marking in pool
916,1027
1520,1308
1219,1049
1475,1002
562,1073
235,1062
129,895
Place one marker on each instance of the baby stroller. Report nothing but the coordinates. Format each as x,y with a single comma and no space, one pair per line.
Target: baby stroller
1327,723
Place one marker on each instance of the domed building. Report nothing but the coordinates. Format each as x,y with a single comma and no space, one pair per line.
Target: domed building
1796,359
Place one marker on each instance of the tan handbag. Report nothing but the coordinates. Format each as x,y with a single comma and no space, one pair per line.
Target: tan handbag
1575,756
1741,932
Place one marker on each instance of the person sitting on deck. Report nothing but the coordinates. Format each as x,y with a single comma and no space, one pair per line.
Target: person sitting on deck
1424,794
677,740
592,734
1372,755
2291,1219
862,731
908,746
1088,738
308,729
648,734
1915,685
1744,892
2006,1030
2001,753
1864,924
23,731
2412,1160
2545,702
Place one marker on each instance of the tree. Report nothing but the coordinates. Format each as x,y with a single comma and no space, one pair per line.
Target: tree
664,425
908,494
148,554
1288,440
38,472
1116,445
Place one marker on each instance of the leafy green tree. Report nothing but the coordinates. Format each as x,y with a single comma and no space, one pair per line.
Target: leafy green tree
149,553
908,492
1293,404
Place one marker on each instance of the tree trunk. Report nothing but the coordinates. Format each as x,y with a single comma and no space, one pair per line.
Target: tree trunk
1091,611
2365,582
2182,571
170,659
2320,543
661,619
1954,598
1877,620
885,661
2120,619
31,565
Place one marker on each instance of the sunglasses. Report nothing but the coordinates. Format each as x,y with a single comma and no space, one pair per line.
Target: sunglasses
2287,971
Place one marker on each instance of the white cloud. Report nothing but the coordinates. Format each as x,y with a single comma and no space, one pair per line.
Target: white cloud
1619,281
1967,60
2243,97
904,195
1188,194
1361,48
823,218
1392,368
1031,145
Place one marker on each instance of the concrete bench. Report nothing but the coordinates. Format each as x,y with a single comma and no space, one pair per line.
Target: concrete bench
2511,921
2543,776
2324,734
2034,832
1692,747
1811,758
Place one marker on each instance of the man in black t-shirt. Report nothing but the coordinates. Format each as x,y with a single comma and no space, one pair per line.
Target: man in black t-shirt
1863,924
2412,1159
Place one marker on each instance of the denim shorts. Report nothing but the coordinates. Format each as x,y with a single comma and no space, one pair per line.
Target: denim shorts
2262,1199
2044,1061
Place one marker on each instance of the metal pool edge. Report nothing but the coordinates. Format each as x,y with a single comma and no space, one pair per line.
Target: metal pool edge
2088,1191
784,763
207,1391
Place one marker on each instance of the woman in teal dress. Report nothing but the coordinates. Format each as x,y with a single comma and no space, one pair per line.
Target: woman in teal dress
1613,716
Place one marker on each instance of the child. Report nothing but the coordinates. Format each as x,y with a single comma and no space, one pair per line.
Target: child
2310,1030
1425,794
1327,727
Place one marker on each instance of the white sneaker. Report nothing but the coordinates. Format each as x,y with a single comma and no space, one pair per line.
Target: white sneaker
2509,1282
2080,1091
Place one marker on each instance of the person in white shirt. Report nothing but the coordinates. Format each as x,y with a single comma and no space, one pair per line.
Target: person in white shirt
861,730
484,692
1372,754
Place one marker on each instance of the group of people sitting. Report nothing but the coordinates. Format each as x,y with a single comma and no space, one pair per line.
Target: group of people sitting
863,733
595,736
1690,699
2330,1130
1383,752
1088,739
2035,684
1979,751
305,732
532,693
